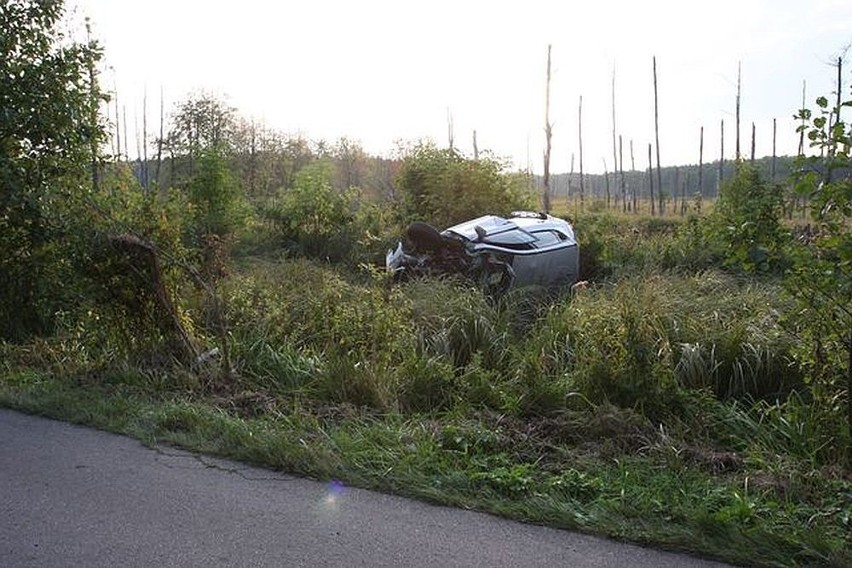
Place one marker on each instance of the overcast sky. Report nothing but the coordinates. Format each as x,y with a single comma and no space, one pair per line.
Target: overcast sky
386,71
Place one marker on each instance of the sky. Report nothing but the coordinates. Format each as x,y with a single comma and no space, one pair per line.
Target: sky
386,73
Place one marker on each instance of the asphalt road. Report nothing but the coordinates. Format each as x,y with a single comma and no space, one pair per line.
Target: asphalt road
72,496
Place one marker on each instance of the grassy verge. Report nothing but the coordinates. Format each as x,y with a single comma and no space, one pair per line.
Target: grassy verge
603,470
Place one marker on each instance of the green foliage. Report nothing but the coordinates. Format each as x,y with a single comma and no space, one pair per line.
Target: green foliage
218,201
318,221
820,278
48,129
746,220
444,188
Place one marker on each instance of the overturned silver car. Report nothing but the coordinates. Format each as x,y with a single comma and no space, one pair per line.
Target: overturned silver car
527,248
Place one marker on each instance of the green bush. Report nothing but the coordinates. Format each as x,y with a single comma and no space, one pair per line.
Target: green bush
443,188
746,220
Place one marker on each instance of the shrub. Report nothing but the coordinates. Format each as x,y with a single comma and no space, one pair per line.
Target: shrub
444,188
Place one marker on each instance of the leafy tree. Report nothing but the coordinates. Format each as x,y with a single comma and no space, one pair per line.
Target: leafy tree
821,275
746,220
49,102
216,195
444,188
200,123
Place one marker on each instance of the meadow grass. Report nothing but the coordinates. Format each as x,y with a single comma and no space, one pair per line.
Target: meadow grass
663,404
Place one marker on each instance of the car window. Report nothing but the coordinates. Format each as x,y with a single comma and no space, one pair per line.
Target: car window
546,239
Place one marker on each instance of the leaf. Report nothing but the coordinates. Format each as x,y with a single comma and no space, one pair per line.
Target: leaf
822,102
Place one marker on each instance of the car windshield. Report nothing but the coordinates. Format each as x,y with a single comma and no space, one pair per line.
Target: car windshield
497,230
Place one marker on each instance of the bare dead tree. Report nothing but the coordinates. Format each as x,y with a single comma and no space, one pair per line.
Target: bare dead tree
475,147
117,125
93,117
753,136
802,125
634,188
124,114
675,188
774,155
548,133
450,128
570,175
606,181
657,135
145,181
614,155
138,147
683,194
621,176
580,129
651,179
700,168
160,139
738,155
721,157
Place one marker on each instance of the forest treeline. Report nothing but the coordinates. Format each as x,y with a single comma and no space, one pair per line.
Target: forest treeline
265,160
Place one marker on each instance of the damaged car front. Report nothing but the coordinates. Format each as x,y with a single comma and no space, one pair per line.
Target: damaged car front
524,249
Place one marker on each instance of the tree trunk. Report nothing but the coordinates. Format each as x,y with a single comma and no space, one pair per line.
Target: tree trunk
606,181
547,136
774,137
117,127
160,141
614,153
634,188
753,136
144,256
570,176
721,159
700,169
651,180
580,128
450,129
657,136
739,92
621,176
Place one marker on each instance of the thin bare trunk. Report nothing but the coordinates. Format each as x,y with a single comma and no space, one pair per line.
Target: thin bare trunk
606,180
700,169
450,128
657,135
721,159
739,93
95,111
675,188
621,176
475,147
753,136
651,180
124,115
634,188
802,125
548,132
614,153
160,140
774,156
570,175
145,181
580,129
117,126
